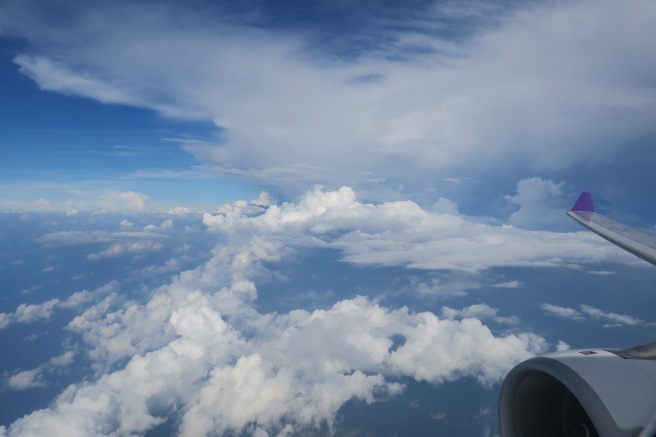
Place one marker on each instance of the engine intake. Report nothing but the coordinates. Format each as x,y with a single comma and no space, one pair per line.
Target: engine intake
581,393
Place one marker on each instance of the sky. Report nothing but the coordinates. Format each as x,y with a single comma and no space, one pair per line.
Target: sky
312,218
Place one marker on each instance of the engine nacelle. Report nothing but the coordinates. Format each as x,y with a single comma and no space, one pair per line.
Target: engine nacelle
581,393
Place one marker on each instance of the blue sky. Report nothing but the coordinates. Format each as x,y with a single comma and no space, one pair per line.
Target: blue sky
347,209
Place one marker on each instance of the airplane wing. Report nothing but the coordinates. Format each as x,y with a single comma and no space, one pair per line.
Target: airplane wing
594,392
640,243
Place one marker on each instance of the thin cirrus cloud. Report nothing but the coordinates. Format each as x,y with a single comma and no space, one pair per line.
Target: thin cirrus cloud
543,89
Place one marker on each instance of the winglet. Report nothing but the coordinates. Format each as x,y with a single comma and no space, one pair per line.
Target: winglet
584,203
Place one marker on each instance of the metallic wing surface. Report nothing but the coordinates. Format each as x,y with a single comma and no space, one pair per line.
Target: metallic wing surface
640,243
598,392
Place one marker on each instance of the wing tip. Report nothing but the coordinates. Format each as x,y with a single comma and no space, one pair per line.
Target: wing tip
584,203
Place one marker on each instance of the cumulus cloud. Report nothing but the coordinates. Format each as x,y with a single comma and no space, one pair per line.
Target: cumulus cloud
30,313
298,371
479,311
26,379
83,297
403,234
165,224
541,204
253,207
36,378
199,350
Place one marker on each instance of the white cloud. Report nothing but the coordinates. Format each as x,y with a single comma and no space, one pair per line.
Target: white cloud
26,379
5,320
508,284
29,313
621,319
136,201
165,224
67,198
126,223
119,249
445,206
83,297
198,349
562,346
564,312
36,378
479,311
62,360
90,237
39,205
119,243
504,95
595,313
403,234
541,204
113,201
180,210
298,370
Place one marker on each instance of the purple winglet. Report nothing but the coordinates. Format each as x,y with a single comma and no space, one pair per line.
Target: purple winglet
584,203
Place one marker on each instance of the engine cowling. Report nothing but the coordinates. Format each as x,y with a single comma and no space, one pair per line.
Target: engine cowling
581,393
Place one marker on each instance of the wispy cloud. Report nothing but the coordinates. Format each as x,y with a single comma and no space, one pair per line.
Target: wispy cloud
501,95
508,284
564,312
612,319
118,243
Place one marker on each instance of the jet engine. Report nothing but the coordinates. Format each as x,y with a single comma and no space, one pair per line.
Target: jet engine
581,393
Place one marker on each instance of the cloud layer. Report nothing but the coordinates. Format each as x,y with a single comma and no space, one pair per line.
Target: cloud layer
548,87
197,349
